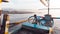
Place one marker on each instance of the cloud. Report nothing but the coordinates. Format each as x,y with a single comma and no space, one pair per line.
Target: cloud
23,4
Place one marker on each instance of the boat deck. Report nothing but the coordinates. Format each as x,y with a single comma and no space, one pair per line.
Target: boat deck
14,28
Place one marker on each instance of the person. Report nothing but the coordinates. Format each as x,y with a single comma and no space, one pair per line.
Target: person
35,19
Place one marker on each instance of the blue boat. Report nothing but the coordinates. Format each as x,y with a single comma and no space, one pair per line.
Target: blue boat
38,25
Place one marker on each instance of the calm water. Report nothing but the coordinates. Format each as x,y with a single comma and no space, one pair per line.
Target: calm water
18,17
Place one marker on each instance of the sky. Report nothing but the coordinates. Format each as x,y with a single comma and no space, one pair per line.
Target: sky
23,4
29,4
32,4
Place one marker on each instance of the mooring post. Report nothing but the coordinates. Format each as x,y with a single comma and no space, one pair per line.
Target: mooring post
0,18
4,27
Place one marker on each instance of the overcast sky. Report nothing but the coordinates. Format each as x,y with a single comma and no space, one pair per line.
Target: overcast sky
29,4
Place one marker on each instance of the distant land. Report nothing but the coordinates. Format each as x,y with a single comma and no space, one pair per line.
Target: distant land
21,11
16,12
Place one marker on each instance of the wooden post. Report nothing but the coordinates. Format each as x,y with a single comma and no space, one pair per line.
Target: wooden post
7,26
0,19
0,16
0,1
4,26
3,1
